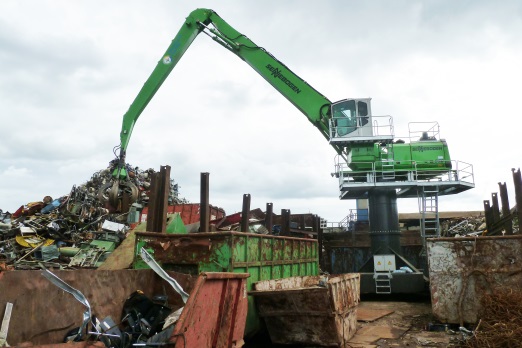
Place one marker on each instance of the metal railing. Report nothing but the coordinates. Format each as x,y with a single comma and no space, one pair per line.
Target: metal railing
411,172
341,226
423,130
381,126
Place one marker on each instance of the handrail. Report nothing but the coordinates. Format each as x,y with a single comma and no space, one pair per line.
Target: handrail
380,128
460,171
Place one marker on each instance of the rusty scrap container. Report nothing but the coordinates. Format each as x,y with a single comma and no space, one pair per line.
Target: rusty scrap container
262,256
214,315
463,269
318,310
189,212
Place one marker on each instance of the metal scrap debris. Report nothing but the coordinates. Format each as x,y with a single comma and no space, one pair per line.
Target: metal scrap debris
501,320
459,227
75,230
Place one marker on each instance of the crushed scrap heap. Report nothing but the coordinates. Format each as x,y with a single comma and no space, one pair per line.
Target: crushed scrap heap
80,224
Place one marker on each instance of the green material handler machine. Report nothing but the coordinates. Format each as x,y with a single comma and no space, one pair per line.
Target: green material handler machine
371,163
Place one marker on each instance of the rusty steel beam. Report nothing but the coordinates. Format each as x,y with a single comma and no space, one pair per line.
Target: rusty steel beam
269,217
488,214
165,191
303,223
495,210
320,240
285,222
153,193
245,213
204,206
158,201
508,225
517,181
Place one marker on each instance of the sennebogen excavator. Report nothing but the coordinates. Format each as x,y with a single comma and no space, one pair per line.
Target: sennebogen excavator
373,162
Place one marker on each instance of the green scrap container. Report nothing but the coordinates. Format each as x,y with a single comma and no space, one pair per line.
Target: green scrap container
264,257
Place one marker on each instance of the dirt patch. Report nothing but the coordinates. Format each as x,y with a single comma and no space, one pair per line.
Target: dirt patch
408,325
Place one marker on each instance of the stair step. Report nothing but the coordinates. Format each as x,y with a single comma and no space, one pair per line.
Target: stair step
382,283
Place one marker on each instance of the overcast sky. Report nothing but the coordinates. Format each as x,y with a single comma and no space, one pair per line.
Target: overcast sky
70,70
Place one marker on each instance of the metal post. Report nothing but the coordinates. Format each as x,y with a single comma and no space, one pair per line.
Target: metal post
508,225
245,213
269,217
158,201
517,181
488,214
204,208
285,222
153,193
319,230
495,207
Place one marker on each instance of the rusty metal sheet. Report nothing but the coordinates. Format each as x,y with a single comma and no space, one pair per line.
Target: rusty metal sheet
215,313
369,314
463,269
189,212
315,310
263,256
43,313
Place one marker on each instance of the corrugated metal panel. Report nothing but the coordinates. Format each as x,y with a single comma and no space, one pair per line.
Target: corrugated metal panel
463,269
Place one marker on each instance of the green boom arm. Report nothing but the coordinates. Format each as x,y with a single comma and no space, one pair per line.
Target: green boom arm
311,103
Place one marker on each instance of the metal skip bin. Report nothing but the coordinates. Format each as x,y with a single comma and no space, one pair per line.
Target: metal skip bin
264,257
213,316
464,269
215,313
310,310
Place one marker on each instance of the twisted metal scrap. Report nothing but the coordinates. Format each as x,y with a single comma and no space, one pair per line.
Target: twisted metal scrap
501,323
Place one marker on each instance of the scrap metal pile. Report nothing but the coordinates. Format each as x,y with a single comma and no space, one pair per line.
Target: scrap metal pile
475,226
501,323
79,229
459,227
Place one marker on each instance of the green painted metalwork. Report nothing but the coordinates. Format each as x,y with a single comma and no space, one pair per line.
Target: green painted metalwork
264,257
315,106
175,224
308,100
420,155
312,103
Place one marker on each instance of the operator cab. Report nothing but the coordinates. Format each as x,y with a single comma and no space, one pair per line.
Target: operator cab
352,122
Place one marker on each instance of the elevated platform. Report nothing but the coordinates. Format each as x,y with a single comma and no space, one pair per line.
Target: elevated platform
353,139
409,184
